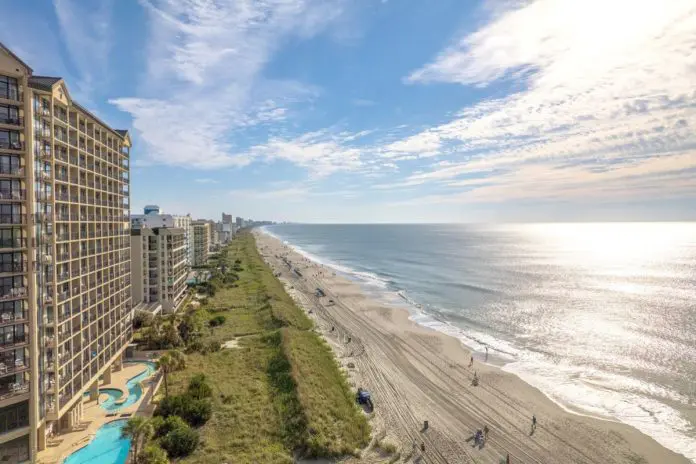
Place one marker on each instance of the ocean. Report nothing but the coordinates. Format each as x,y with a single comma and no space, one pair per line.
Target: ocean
600,317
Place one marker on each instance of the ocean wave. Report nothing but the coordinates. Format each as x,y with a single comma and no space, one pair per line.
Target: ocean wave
368,278
577,389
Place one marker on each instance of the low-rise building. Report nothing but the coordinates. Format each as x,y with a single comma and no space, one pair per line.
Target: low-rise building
158,263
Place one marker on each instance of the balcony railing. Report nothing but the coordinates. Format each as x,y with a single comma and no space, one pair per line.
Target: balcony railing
12,121
12,293
13,341
12,318
16,219
11,170
13,268
6,145
12,93
13,243
12,390
19,194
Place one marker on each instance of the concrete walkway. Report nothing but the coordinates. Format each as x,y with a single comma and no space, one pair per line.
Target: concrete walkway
94,416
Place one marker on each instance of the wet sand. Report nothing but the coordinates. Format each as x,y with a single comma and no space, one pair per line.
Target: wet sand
417,374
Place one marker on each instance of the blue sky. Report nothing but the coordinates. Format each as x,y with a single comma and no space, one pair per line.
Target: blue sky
386,110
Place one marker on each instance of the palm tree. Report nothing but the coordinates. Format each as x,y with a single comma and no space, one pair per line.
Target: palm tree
171,361
137,429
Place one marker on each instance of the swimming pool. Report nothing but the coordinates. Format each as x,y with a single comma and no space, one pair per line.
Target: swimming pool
107,446
135,391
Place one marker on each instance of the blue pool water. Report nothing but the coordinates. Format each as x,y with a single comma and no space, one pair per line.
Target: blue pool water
135,391
107,447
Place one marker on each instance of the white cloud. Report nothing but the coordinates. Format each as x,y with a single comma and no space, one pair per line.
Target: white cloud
606,85
284,194
87,35
320,152
206,180
205,68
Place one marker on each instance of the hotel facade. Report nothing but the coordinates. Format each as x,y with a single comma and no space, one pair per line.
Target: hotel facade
65,296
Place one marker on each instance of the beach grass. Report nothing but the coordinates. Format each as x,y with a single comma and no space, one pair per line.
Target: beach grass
280,393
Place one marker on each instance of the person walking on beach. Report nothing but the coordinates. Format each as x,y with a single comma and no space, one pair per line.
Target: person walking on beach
533,423
485,432
471,363
486,353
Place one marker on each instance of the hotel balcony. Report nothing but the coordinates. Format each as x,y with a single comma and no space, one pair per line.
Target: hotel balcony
13,195
18,122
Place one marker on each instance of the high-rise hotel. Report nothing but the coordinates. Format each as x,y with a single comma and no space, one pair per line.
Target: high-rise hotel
65,298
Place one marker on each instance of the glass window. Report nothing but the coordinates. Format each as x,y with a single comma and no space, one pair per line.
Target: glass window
9,139
9,114
9,88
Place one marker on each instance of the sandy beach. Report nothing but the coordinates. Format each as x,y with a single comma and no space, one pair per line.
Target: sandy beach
417,374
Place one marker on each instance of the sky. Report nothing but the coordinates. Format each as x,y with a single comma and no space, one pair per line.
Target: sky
386,110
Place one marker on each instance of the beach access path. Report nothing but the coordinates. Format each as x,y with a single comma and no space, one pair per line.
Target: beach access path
416,374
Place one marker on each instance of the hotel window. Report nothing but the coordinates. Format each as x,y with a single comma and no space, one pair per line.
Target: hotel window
9,164
9,88
9,114
9,139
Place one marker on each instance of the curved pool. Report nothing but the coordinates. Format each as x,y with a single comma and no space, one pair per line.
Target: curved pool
135,391
107,446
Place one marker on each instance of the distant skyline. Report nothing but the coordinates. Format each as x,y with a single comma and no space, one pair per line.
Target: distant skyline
386,110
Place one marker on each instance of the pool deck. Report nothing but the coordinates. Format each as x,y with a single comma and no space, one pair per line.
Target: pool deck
94,416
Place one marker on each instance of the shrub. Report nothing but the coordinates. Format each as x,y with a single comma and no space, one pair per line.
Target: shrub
198,387
153,454
164,426
211,347
180,442
189,328
142,319
217,320
194,411
198,412
194,346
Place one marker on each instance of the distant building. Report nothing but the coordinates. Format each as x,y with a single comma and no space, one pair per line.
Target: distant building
152,220
185,222
240,222
151,209
201,242
158,264
226,218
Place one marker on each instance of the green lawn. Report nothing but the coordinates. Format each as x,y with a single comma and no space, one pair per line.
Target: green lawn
281,392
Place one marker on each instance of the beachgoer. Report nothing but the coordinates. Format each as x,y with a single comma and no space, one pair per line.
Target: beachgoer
486,353
423,447
485,432
471,362
533,422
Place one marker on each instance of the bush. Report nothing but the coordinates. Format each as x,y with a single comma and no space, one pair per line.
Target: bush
194,411
198,412
217,320
194,346
198,387
142,319
153,454
165,425
180,442
189,328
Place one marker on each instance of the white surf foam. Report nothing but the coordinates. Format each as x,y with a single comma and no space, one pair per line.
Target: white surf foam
577,389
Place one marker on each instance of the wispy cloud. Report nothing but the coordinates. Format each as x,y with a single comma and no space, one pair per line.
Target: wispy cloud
322,152
606,92
205,63
206,180
87,35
